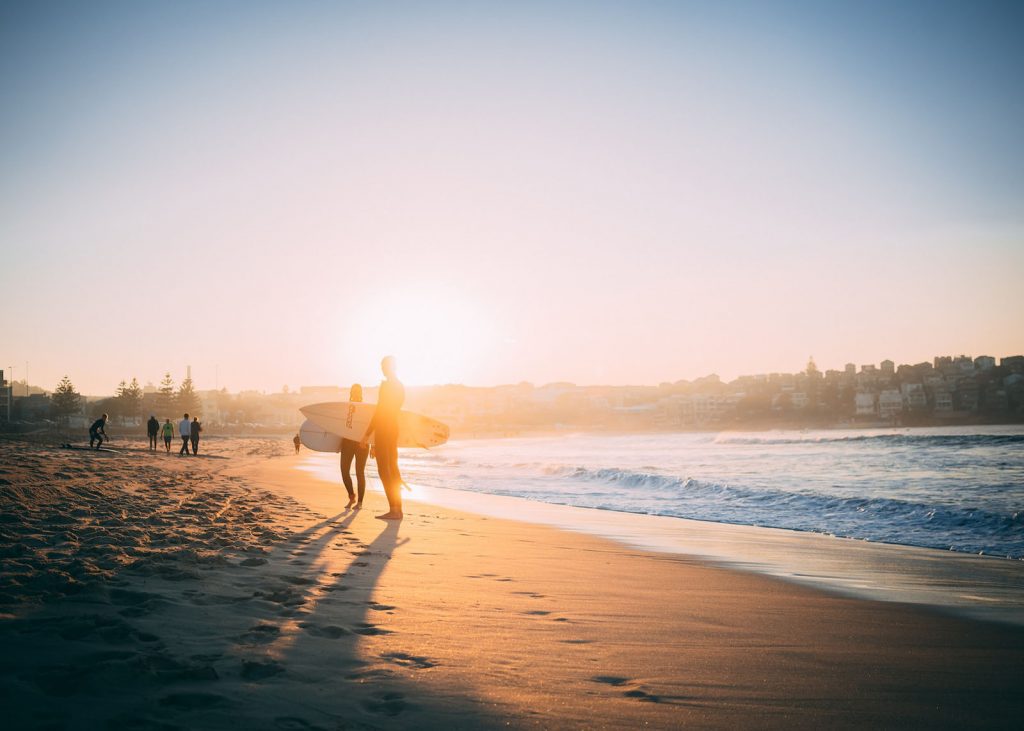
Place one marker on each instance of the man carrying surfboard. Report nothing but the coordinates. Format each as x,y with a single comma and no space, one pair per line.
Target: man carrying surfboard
384,424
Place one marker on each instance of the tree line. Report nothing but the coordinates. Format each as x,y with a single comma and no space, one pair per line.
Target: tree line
127,400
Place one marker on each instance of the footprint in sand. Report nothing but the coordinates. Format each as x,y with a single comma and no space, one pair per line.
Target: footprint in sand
386,704
409,661
331,631
365,628
256,670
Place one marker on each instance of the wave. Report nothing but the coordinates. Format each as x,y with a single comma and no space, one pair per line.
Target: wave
937,440
892,520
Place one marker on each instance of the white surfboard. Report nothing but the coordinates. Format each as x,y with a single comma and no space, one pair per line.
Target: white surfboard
349,419
318,439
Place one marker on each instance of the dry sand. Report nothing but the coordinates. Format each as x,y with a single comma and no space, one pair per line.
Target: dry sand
231,591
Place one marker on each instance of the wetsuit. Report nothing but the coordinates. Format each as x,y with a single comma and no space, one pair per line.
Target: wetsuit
384,427
350,450
97,432
153,427
194,435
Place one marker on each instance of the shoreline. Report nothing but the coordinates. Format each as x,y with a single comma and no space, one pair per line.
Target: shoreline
980,587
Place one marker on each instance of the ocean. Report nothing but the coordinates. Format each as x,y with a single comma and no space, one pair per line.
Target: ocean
958,489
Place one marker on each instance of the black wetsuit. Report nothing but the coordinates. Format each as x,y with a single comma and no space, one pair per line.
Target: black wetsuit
194,436
350,450
384,427
153,427
97,432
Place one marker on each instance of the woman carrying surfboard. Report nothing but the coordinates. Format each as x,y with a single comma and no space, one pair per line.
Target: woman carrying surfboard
384,425
351,449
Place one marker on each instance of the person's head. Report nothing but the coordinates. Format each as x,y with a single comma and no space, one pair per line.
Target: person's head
387,366
186,416
195,418
168,421
104,417
355,393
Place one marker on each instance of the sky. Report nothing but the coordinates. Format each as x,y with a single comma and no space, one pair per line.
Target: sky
597,192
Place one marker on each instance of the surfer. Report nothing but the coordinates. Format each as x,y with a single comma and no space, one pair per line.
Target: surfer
168,435
152,428
384,424
350,449
97,432
184,431
193,434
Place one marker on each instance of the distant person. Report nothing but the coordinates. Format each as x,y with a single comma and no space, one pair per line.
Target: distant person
184,431
168,435
153,429
296,441
384,425
193,434
98,432
350,449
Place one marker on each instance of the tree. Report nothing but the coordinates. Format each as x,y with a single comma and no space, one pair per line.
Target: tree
129,399
66,400
165,397
188,402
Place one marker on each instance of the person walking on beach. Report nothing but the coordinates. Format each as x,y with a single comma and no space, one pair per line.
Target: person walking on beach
193,434
168,435
351,449
384,425
98,432
153,429
184,431
297,441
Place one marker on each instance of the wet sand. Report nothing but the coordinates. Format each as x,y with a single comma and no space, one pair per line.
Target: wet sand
143,591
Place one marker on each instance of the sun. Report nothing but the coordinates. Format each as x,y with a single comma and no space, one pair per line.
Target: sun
436,336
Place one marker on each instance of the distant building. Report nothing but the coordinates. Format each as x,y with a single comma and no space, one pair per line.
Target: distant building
850,369
984,362
5,399
1013,363
864,403
914,396
943,401
888,367
799,400
890,403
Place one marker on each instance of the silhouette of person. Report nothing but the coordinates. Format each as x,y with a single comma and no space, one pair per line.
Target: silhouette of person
193,434
297,441
97,432
384,425
184,431
168,435
152,428
351,449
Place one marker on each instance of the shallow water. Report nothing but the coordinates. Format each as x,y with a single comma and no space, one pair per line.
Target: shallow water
958,489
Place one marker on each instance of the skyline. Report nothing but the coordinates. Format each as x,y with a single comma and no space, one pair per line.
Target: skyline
153,384
595,193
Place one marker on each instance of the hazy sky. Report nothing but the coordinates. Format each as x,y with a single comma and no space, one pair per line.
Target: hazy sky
281,193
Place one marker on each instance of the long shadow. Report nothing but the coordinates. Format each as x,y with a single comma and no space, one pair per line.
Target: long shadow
326,647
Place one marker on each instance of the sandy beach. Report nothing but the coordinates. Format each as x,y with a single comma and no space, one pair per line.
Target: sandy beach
232,591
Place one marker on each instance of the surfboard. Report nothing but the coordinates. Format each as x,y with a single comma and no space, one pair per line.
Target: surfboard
349,419
318,439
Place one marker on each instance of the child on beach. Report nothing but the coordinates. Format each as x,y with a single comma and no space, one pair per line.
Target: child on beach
168,435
